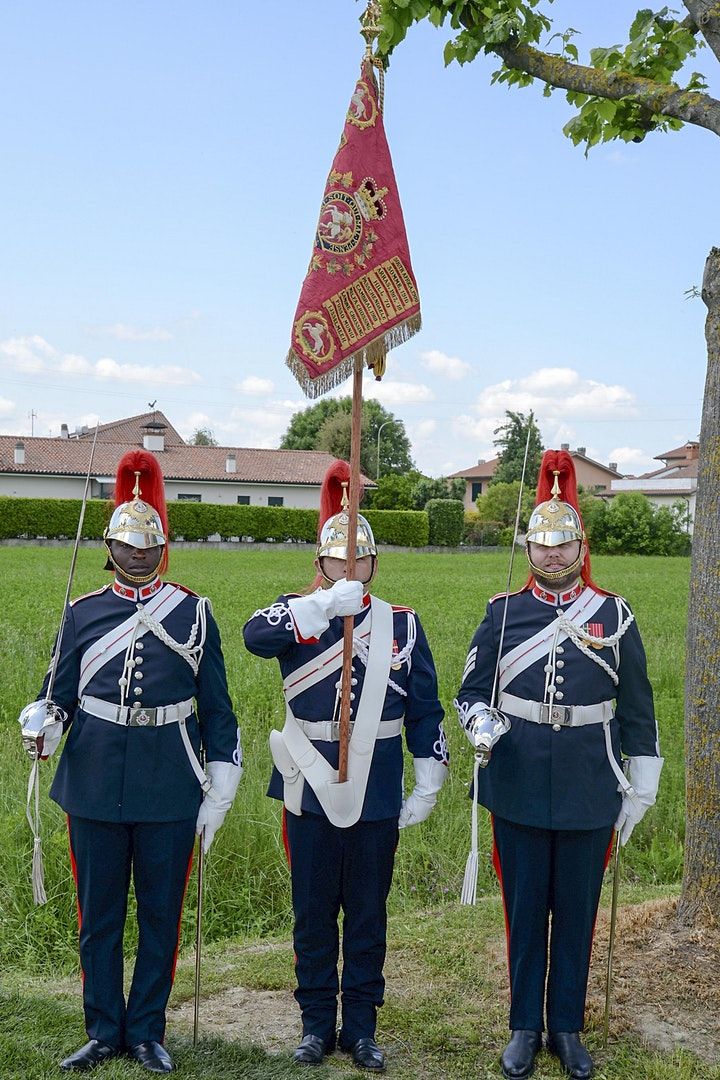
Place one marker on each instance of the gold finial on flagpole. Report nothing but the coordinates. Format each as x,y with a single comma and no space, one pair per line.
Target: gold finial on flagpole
370,25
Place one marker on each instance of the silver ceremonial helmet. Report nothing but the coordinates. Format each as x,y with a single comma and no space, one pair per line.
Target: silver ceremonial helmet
552,523
333,541
136,522
35,721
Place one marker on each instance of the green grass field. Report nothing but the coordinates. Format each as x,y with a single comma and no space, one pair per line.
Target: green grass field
248,891
445,1015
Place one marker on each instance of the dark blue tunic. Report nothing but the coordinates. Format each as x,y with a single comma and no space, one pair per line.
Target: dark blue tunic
271,632
560,779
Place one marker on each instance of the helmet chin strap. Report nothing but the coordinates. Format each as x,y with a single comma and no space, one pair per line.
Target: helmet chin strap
137,579
553,577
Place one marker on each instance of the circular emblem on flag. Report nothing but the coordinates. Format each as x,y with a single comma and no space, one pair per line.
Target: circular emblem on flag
340,224
363,108
313,338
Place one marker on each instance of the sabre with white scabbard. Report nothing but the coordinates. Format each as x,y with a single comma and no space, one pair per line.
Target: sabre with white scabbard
488,738
42,721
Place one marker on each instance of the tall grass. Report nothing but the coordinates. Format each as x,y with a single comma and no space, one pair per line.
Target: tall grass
247,889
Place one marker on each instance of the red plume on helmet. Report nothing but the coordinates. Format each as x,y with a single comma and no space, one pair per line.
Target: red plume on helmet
561,461
332,491
151,485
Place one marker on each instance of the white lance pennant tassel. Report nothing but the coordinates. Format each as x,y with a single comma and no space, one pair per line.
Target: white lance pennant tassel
468,894
33,816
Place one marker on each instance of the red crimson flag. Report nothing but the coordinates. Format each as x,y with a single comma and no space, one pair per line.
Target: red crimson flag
359,297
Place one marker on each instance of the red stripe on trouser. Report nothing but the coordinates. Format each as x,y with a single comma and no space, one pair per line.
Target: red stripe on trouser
286,845
498,871
285,838
73,867
177,946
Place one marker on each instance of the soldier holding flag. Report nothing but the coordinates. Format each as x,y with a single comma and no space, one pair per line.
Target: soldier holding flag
140,681
341,837
573,698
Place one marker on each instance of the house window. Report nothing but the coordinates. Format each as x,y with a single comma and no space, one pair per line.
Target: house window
243,500
275,500
476,490
105,491
189,498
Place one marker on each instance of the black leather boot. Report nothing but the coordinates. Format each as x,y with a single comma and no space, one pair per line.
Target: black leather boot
574,1058
311,1051
518,1057
152,1056
366,1054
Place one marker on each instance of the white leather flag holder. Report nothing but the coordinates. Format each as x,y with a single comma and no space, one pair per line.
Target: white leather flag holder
298,759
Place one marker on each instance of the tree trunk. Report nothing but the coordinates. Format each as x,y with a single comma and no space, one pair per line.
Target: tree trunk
700,899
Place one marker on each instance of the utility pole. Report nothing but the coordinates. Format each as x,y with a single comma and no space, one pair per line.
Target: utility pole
32,416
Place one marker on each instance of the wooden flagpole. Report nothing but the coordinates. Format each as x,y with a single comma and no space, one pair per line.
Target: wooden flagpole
349,622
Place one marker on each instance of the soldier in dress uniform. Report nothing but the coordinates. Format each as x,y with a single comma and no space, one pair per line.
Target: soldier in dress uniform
341,838
141,680
573,697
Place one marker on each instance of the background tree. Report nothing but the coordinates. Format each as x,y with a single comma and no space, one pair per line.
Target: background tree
334,436
394,491
303,433
512,440
625,92
499,504
203,437
426,489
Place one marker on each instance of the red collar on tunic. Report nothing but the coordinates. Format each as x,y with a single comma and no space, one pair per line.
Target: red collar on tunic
557,599
128,592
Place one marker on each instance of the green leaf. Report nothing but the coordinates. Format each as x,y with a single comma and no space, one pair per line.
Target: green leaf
606,109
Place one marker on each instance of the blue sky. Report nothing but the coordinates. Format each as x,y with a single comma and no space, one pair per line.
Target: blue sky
162,170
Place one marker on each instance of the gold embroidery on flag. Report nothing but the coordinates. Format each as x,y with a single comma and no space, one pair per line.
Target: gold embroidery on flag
363,108
367,304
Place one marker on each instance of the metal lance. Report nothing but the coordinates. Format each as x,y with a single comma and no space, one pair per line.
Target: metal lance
198,929
36,721
468,893
611,939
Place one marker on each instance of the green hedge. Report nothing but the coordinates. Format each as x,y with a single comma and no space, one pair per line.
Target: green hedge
56,519
446,520
404,528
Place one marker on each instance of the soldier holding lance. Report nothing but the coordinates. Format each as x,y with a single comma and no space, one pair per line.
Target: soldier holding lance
140,684
341,838
573,698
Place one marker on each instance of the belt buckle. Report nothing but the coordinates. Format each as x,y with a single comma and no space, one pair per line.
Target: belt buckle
335,729
140,716
556,714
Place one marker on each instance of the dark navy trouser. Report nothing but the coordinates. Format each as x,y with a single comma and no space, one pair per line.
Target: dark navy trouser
550,881
104,855
333,869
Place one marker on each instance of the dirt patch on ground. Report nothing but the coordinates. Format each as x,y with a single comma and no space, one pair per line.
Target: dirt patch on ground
269,1018
666,986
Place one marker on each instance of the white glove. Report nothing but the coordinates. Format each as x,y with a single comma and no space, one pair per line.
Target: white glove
312,614
225,777
429,778
644,776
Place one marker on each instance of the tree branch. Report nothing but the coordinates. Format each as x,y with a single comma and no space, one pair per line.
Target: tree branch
690,106
706,16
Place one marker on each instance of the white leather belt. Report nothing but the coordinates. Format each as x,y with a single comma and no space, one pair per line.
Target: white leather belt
539,712
136,715
329,730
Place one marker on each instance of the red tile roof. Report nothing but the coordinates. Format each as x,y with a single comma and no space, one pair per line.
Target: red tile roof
688,452
179,461
476,472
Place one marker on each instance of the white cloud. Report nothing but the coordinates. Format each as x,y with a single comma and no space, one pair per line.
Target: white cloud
255,386
27,354
123,332
389,392
33,355
146,373
473,430
555,393
439,363
633,459
7,408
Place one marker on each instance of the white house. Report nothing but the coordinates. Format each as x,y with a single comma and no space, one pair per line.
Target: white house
56,468
675,482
